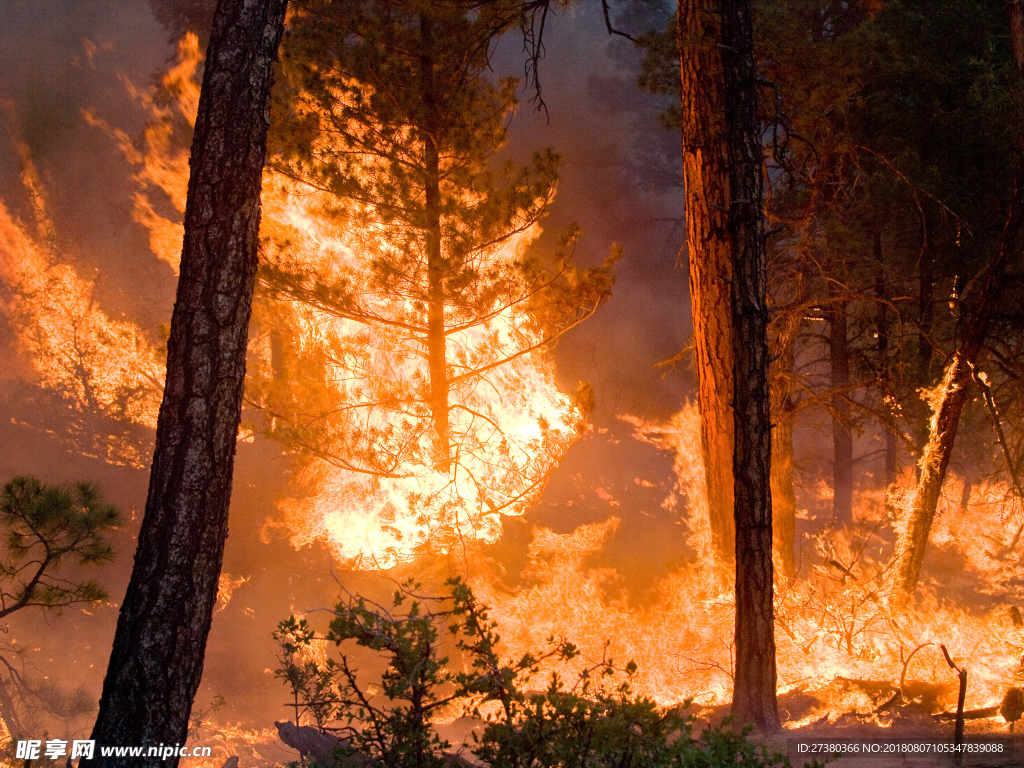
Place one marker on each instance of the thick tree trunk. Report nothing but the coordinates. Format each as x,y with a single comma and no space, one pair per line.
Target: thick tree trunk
842,439
706,179
949,400
157,657
437,358
754,699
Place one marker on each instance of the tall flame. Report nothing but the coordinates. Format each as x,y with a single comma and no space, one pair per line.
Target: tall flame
508,428
98,365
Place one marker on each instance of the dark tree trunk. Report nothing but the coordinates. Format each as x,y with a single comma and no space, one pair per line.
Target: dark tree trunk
908,553
842,439
160,642
754,699
925,291
884,373
706,179
437,359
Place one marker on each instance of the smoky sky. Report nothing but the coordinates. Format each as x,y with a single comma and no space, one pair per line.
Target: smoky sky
619,183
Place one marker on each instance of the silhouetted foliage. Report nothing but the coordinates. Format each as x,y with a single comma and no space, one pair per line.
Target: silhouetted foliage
596,720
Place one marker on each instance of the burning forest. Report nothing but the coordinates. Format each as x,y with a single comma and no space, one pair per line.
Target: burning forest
619,382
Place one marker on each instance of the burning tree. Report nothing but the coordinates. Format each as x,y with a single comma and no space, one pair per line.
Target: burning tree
408,358
401,327
722,165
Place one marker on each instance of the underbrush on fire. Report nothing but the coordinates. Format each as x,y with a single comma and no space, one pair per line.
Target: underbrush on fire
593,719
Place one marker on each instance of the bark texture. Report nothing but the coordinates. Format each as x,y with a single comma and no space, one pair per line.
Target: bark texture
754,695
157,658
706,179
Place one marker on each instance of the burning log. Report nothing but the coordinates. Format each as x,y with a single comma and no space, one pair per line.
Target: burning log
932,696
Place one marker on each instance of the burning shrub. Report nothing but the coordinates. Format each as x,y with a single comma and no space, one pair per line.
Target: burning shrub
597,720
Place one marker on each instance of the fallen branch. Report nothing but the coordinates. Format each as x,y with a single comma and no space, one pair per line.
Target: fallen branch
970,714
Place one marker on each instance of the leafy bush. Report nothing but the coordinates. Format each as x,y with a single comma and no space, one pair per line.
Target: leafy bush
595,722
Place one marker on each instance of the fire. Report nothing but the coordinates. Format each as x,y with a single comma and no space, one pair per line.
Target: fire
257,746
841,641
371,483
97,365
160,161
842,645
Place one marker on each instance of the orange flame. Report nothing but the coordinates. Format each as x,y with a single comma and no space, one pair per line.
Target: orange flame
508,429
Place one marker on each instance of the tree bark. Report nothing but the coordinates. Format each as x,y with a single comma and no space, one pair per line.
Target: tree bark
706,181
925,310
842,439
157,658
754,695
951,396
437,358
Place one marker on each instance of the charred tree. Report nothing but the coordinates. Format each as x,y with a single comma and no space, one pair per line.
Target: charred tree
710,250
952,393
754,698
160,641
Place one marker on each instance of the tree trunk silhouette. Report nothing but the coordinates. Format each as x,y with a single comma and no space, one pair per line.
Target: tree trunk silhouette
754,697
709,247
842,439
157,658
437,359
951,396
884,369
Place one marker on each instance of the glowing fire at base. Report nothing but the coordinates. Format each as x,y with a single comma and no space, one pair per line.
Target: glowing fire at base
842,646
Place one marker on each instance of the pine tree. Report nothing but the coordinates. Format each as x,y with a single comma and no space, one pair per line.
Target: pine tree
424,396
